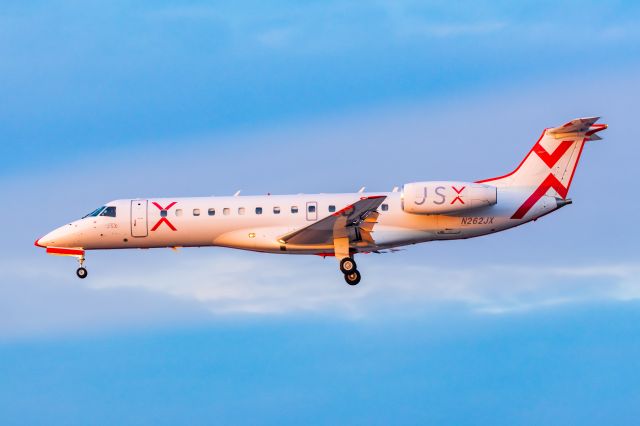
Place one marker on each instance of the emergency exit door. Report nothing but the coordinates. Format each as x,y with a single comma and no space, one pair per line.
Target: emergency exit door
139,218
312,210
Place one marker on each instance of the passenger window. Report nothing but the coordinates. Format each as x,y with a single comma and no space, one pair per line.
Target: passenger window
258,210
311,208
240,210
196,212
109,211
332,208
276,210
212,212
226,211
294,209
385,207
163,213
178,212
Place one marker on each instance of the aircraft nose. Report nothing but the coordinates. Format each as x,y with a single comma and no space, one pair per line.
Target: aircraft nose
60,237
46,241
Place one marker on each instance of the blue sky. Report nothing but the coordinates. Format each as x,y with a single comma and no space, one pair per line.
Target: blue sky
105,100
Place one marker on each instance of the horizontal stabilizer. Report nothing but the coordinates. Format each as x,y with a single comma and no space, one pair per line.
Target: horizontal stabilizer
578,126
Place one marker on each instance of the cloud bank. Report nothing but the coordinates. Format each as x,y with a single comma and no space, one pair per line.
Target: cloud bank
569,259
209,284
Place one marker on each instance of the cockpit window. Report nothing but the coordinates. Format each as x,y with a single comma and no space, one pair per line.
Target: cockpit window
109,211
96,212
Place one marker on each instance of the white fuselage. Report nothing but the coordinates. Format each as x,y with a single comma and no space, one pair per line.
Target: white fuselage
256,222
340,225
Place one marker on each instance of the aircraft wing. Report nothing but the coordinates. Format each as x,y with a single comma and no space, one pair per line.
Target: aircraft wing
355,221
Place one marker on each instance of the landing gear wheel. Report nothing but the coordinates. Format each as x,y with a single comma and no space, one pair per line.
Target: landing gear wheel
81,273
348,265
353,277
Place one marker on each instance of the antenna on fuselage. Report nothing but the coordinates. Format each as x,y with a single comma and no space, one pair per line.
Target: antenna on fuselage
361,190
237,192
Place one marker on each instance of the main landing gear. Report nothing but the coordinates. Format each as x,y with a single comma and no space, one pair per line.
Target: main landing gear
349,269
81,272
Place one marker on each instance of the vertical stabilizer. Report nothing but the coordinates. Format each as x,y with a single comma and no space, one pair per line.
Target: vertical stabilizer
549,167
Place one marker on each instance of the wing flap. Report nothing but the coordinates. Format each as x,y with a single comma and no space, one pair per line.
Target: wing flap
355,220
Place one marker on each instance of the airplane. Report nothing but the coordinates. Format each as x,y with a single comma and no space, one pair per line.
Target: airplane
339,225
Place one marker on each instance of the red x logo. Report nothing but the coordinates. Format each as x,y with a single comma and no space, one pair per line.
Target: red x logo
458,191
551,182
163,213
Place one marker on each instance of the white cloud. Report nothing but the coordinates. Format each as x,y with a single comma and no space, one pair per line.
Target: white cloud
255,284
37,303
163,288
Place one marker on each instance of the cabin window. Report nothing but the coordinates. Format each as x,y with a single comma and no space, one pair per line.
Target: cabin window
311,208
212,212
332,208
240,210
163,213
385,207
276,210
196,212
178,212
258,210
294,209
109,211
226,211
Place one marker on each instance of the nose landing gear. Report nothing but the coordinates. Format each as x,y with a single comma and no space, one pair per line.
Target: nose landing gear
81,272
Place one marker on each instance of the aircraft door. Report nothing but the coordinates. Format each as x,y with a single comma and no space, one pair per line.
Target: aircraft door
139,226
312,210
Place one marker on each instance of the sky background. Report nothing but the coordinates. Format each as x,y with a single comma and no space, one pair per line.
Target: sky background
108,100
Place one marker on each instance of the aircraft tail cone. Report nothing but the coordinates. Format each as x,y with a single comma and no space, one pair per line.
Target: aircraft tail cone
561,202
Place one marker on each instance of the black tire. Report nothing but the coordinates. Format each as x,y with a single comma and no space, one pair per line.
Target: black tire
82,273
348,265
353,277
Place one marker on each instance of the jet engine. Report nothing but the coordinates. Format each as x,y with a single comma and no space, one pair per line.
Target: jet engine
443,197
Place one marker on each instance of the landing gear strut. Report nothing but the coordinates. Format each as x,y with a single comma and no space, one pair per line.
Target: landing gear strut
81,272
348,266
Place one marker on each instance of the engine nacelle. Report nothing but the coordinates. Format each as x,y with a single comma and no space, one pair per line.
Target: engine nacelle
446,197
